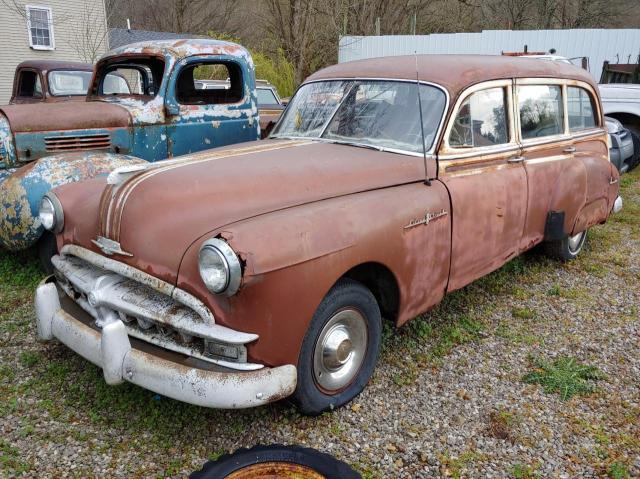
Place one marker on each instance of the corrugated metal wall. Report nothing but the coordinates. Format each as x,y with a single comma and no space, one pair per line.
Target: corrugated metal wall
599,45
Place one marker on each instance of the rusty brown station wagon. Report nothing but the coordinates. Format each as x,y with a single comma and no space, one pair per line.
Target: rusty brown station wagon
238,276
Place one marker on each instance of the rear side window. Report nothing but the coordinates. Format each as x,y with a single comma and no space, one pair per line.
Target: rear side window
481,120
580,108
541,110
210,83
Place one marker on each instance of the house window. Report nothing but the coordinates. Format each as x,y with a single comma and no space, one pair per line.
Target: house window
40,26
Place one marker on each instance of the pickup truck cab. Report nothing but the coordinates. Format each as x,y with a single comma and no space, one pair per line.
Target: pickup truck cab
48,81
242,275
142,104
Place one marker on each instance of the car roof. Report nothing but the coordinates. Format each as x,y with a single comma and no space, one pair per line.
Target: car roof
47,65
181,48
453,72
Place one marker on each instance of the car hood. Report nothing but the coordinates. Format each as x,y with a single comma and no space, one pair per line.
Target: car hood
156,214
72,115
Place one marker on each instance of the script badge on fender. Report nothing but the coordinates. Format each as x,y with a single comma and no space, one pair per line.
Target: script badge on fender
426,219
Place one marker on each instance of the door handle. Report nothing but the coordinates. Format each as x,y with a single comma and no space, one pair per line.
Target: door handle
569,149
516,159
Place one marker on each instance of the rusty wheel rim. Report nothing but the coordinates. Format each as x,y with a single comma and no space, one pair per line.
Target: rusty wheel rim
275,470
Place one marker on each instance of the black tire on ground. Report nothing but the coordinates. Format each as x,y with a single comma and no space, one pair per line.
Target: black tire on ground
289,456
348,303
47,248
635,159
567,248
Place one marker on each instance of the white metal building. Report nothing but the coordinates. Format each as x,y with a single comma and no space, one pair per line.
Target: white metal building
615,45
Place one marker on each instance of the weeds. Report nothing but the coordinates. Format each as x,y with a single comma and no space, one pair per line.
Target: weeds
565,376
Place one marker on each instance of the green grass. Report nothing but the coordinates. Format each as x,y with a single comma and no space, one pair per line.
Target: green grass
564,375
617,470
523,471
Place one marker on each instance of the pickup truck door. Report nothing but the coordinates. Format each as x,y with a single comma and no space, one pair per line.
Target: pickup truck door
481,165
203,115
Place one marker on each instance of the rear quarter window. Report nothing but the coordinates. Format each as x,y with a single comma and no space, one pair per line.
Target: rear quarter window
581,109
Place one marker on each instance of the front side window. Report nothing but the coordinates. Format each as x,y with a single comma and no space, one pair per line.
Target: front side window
581,109
541,111
40,26
209,83
381,114
481,120
29,85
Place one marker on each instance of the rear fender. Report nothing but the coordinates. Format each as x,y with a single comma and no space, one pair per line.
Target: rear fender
22,189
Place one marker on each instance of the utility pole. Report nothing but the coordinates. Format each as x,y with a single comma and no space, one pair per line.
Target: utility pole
377,26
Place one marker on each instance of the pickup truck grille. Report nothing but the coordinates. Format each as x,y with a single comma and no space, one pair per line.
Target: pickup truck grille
80,142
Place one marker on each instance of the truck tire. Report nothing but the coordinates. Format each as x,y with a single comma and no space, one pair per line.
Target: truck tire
275,461
635,159
340,349
47,248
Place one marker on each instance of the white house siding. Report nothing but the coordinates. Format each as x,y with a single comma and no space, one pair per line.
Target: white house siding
68,18
615,45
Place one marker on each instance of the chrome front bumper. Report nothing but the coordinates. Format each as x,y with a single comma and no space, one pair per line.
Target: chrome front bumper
167,373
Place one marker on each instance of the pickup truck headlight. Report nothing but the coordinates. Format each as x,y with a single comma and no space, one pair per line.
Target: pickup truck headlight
220,267
50,214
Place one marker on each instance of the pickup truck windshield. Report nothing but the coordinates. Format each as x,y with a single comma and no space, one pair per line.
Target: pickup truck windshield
380,114
76,82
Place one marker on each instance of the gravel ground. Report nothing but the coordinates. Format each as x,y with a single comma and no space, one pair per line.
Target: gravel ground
447,399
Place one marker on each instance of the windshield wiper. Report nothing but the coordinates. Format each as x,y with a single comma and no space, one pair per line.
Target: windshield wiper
353,143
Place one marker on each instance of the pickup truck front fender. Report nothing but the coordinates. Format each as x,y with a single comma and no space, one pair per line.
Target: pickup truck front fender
22,189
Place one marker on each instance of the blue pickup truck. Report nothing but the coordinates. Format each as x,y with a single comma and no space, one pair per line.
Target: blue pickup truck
159,113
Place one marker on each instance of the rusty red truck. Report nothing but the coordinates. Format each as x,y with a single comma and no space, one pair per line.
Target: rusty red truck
238,276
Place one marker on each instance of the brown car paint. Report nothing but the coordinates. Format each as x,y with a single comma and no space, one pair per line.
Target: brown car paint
303,214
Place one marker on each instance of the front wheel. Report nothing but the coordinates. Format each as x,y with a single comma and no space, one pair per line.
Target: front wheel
567,248
340,349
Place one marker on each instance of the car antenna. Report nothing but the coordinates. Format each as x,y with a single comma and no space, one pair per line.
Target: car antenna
427,181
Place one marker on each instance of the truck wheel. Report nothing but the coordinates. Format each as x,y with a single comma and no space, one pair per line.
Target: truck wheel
275,461
568,248
47,248
635,159
340,349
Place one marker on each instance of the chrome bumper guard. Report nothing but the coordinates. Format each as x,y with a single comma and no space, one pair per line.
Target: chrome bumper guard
110,349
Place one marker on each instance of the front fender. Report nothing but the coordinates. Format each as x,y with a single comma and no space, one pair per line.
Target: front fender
22,189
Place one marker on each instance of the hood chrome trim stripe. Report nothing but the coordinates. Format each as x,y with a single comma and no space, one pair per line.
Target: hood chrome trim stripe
117,202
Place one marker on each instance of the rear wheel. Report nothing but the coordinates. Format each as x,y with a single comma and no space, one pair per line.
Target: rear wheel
567,248
47,248
340,349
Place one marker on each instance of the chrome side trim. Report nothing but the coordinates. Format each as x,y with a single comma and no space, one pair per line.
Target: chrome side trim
140,276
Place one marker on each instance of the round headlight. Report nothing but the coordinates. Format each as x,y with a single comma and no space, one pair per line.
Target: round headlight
220,267
50,213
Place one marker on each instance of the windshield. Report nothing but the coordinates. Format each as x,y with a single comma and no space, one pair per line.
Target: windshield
70,82
380,114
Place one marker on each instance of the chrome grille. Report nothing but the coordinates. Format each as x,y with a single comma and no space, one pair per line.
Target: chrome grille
79,142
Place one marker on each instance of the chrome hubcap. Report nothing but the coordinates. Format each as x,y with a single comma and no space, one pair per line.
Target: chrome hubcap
340,350
575,242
